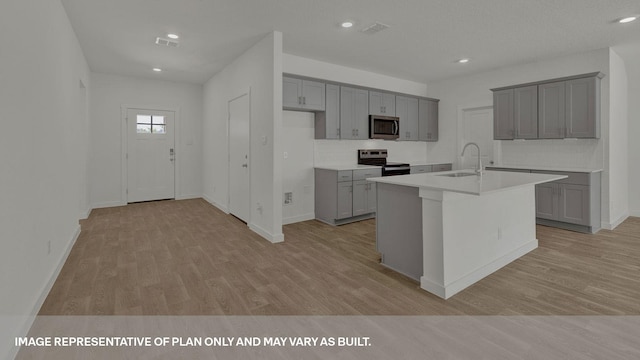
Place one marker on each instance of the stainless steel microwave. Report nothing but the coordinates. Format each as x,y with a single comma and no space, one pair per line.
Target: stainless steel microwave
384,127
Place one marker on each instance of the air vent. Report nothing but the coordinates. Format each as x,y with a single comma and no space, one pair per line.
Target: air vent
166,42
374,28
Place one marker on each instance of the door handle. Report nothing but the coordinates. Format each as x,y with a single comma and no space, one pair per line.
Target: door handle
171,155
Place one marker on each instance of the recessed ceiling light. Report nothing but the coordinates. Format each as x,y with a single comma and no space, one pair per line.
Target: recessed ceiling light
173,36
157,69
347,24
627,19
462,61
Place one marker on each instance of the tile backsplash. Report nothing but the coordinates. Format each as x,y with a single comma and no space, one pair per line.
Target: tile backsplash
339,152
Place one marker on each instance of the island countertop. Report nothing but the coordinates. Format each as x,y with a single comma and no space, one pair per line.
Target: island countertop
489,182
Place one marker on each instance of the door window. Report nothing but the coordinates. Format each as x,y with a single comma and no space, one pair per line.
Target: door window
150,124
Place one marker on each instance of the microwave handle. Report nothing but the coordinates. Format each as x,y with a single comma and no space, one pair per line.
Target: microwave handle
396,127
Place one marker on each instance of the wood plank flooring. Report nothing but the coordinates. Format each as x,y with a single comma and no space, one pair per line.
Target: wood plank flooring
189,258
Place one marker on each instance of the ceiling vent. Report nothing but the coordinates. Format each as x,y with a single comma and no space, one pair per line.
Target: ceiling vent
374,28
166,42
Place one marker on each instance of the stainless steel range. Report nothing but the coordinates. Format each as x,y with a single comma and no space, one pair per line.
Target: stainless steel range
379,157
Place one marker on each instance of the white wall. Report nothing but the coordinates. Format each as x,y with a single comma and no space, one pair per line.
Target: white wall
618,162
109,93
586,153
43,142
297,172
260,70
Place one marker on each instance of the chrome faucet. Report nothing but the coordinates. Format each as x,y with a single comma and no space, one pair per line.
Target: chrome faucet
479,166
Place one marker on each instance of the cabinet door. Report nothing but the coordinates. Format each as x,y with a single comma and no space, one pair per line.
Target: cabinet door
581,108
313,95
546,201
402,111
427,120
389,104
441,167
526,112
573,204
332,112
361,114
345,200
347,112
503,128
375,103
551,110
360,197
420,169
409,124
291,93
372,202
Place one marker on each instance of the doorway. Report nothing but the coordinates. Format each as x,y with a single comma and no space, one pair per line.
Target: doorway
150,155
239,160
475,124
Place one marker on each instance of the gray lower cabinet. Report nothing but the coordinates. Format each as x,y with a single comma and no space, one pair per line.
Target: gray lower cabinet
441,167
428,120
407,111
327,123
419,169
572,203
345,196
354,113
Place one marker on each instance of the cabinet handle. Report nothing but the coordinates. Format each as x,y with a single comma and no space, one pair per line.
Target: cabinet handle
357,132
299,100
338,132
304,100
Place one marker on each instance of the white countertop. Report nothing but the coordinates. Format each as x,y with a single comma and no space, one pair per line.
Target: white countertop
548,168
341,167
490,181
429,163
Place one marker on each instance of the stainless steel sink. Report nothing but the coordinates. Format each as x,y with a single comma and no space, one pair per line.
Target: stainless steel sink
458,174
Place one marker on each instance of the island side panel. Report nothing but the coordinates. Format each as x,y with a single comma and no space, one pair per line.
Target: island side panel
484,233
399,229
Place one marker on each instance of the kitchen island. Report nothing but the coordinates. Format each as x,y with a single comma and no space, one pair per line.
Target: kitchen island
450,229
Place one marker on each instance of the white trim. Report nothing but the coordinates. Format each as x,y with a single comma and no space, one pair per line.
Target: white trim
454,287
187,197
614,224
274,238
29,319
216,204
108,204
298,218
85,214
124,108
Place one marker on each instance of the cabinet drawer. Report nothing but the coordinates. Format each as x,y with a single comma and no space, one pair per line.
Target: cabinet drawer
573,177
366,173
345,175
441,167
420,169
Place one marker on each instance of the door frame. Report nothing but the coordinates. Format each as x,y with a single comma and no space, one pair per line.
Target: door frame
124,143
497,155
247,92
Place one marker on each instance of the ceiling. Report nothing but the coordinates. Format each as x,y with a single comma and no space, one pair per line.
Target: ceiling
424,39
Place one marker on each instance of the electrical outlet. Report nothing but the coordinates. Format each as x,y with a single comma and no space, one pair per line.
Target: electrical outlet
288,198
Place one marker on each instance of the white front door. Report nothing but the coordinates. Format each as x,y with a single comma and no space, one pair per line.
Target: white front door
150,155
477,127
239,162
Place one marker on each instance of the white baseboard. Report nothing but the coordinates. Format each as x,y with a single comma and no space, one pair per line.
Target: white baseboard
634,213
187,197
274,238
216,204
85,214
35,309
298,218
614,224
108,204
447,291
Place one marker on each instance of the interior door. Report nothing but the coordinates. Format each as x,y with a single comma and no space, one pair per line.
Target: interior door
150,155
477,127
239,161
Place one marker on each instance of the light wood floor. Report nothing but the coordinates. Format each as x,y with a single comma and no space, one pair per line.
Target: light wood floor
187,257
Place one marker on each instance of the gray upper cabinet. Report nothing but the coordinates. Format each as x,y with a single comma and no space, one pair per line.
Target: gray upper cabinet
582,109
382,103
551,110
525,112
327,124
298,94
503,128
407,111
428,120
354,113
